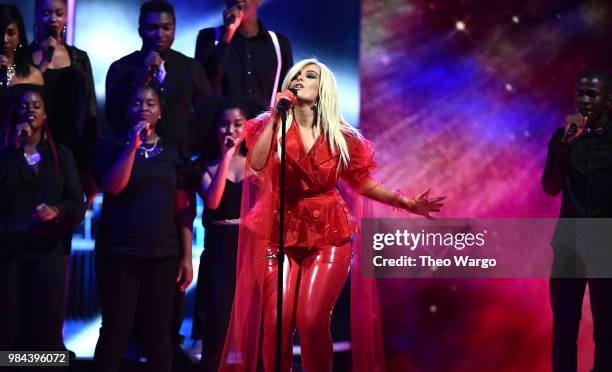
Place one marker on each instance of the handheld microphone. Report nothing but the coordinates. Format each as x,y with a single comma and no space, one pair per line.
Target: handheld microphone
51,50
571,131
154,72
232,18
143,131
284,104
23,135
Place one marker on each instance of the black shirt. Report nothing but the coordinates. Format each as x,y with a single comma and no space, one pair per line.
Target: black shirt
72,108
140,220
183,91
22,190
583,171
245,68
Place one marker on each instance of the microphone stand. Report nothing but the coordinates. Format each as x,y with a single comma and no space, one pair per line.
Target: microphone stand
280,258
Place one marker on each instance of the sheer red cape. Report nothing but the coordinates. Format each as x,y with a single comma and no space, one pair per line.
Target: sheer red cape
320,209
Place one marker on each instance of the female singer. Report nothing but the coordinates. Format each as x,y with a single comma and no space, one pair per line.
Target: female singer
69,88
15,52
321,149
138,255
40,197
16,69
221,190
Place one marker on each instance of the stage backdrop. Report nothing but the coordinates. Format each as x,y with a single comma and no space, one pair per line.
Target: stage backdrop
462,97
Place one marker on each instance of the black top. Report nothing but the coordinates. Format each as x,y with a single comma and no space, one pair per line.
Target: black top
72,109
184,88
583,171
140,220
246,67
221,241
229,207
21,190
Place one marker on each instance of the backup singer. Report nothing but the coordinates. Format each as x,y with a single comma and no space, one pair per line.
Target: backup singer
578,166
69,88
138,256
18,72
221,188
40,197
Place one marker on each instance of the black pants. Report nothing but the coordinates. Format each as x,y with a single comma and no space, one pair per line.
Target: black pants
566,296
214,298
135,285
32,303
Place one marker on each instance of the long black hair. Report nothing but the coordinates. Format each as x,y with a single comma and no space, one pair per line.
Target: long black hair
23,55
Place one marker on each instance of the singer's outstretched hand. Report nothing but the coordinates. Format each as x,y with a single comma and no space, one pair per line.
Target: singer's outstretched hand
580,122
422,205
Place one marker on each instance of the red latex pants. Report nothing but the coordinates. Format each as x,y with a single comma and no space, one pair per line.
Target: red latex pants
313,280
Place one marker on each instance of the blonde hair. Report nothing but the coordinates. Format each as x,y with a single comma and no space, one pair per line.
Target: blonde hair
328,118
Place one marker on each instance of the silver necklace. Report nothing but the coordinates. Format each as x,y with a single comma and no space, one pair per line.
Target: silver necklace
32,159
149,152
10,73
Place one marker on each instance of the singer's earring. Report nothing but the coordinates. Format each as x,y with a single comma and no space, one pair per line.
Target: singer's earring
315,106
36,33
64,34
159,117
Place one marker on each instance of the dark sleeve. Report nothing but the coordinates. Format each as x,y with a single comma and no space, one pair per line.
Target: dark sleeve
107,152
185,174
557,160
117,92
90,127
8,156
204,44
199,121
202,85
71,207
286,56
213,57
